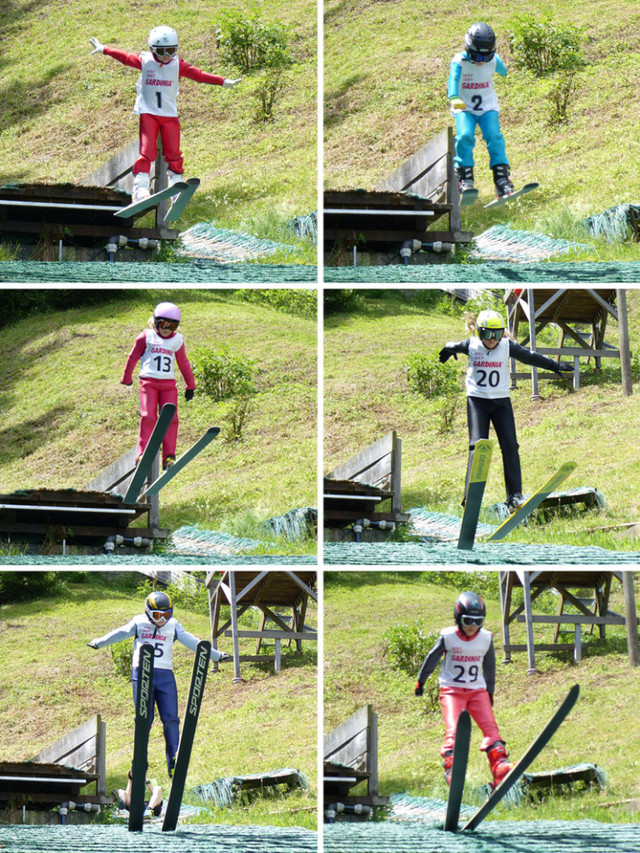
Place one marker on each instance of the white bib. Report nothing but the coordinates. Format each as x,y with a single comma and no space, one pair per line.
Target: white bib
476,85
488,371
157,87
159,358
463,660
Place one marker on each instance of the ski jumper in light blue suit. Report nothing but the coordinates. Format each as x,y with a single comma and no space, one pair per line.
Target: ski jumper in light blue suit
472,82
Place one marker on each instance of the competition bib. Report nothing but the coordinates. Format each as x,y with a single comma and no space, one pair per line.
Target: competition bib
157,87
462,663
159,357
488,373
476,85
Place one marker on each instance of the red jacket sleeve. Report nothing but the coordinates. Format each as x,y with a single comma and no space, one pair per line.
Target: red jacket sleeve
199,75
133,60
137,351
185,367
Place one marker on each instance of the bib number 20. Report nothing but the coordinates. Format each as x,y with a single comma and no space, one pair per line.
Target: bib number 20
490,378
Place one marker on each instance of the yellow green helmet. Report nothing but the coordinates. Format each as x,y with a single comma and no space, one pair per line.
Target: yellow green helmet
490,325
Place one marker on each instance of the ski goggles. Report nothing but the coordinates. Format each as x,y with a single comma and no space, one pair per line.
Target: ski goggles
157,615
172,325
165,51
472,620
491,334
476,56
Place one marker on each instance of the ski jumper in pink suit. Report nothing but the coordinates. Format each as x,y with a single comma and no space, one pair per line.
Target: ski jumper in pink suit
157,356
156,104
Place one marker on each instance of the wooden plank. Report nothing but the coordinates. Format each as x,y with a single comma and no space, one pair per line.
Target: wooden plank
355,468
352,751
576,619
268,634
418,164
348,729
116,168
115,474
540,647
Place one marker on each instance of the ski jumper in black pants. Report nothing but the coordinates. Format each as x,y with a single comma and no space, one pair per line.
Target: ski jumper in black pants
488,400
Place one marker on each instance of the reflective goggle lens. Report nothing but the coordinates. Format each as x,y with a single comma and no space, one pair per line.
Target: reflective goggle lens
161,323
472,620
476,56
491,334
165,51
157,615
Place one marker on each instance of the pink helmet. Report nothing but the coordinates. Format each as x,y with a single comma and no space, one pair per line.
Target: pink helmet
167,311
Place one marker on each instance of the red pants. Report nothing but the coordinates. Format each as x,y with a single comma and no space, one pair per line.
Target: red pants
154,393
454,700
169,129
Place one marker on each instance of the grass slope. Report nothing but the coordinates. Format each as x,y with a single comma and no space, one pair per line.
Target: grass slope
66,416
65,112
602,729
366,395
53,682
386,71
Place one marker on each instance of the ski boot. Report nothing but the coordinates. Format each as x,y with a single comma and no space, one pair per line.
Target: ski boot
168,462
499,762
501,180
448,765
515,501
140,187
464,174
171,766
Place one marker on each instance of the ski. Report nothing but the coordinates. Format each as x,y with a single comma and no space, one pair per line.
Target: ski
198,679
473,499
152,201
529,756
532,503
149,454
458,771
468,197
190,186
144,707
505,199
183,460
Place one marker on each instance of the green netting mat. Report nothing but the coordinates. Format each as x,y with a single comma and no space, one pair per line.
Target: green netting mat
496,273
615,224
584,836
502,243
205,240
205,272
223,792
431,810
483,554
160,559
98,838
439,526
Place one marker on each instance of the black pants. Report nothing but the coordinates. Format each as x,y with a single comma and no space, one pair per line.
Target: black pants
481,414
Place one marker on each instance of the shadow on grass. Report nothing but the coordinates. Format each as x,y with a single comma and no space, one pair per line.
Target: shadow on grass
353,580
31,435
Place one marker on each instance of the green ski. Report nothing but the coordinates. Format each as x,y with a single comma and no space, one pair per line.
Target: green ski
473,500
151,201
190,186
179,464
530,755
532,503
144,707
458,771
149,454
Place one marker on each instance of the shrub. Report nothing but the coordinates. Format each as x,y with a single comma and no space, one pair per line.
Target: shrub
303,303
405,647
221,375
248,42
427,376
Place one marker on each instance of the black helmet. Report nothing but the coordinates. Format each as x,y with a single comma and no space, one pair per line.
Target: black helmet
480,42
469,604
157,605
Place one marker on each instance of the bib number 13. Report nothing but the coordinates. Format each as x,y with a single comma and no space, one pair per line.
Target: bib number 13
163,363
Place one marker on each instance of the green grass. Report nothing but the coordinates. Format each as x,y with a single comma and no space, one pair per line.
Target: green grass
66,416
54,682
375,120
602,729
366,395
65,112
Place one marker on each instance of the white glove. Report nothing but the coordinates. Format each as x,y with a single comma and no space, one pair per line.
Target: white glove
93,644
228,82
97,47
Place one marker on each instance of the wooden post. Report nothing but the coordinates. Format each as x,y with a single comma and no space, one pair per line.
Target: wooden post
531,654
234,627
505,603
532,342
623,337
630,618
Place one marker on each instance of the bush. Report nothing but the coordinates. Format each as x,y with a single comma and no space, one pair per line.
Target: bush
303,303
427,376
221,375
342,302
250,43
26,586
405,647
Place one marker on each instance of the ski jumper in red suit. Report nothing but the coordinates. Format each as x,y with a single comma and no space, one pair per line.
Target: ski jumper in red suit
156,104
157,356
467,682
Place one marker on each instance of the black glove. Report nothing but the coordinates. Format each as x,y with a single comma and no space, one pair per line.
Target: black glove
564,366
446,353
491,699
418,689
188,394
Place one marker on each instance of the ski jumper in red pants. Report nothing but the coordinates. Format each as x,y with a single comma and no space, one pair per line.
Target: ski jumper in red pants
467,682
158,356
156,104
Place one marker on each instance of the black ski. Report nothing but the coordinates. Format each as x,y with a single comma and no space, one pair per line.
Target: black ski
458,771
194,700
529,756
149,454
144,706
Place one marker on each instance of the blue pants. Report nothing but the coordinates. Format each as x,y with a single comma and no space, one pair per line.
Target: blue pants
489,124
165,696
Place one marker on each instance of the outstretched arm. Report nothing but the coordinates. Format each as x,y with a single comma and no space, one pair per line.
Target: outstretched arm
452,349
130,59
536,359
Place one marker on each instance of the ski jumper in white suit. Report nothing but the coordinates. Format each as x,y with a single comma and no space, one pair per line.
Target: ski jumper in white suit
488,401
156,104
467,682
472,82
157,356
165,693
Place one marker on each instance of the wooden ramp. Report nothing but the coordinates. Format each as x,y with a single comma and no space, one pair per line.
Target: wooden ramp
351,757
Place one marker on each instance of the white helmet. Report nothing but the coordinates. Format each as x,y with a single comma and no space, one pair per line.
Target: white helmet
163,37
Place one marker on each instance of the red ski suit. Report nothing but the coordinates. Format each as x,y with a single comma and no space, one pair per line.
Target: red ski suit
154,121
